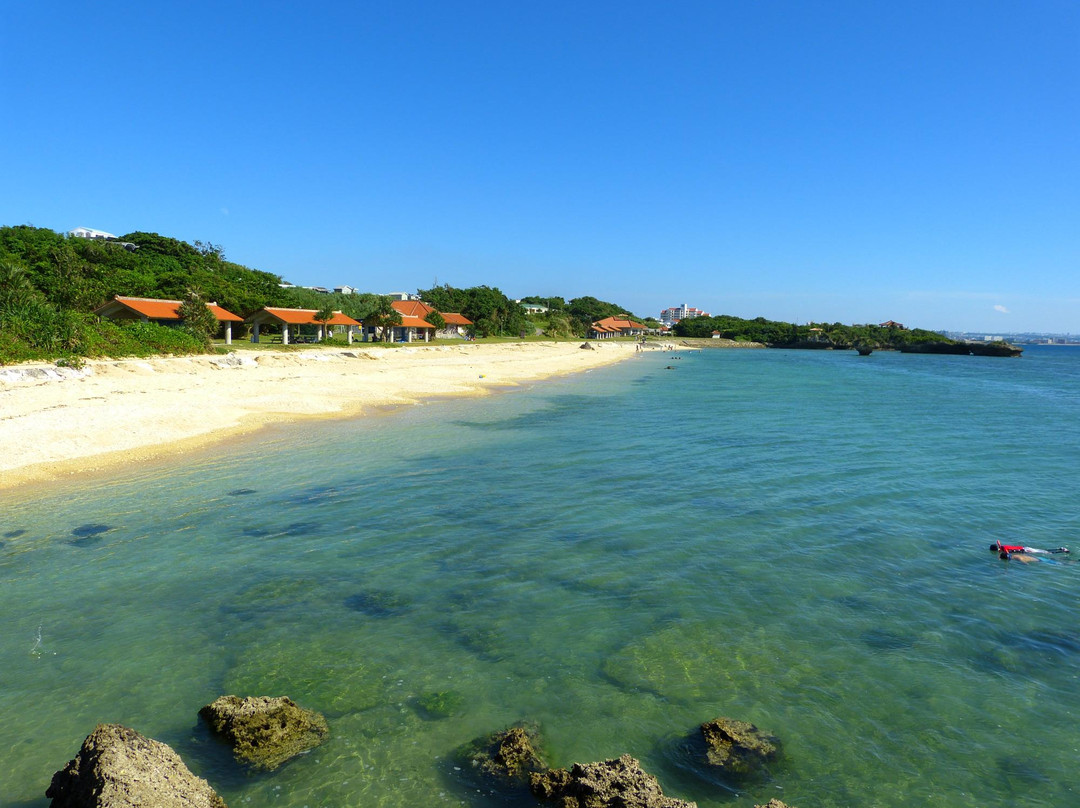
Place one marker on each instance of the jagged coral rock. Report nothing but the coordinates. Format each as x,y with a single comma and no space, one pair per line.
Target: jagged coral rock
265,731
119,768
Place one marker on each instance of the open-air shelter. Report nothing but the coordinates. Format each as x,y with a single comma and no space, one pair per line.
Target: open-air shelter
163,312
617,327
415,326
291,320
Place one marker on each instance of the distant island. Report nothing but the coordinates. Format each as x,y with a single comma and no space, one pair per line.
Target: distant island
887,336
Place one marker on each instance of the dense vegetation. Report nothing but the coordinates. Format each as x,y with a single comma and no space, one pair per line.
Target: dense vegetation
814,335
50,285
574,318
492,312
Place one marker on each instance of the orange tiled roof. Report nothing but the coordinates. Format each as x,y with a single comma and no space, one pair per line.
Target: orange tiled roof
305,316
618,323
412,308
408,321
156,309
419,310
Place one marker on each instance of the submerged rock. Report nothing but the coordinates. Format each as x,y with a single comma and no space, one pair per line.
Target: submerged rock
441,704
774,803
507,757
117,767
378,603
86,531
738,747
265,731
617,783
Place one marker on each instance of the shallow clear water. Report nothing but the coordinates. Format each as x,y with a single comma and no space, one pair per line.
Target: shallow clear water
795,539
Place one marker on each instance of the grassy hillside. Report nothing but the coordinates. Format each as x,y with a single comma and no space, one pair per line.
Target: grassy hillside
51,283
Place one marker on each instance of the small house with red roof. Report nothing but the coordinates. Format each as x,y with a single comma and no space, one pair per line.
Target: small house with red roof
162,312
414,325
292,322
457,325
615,327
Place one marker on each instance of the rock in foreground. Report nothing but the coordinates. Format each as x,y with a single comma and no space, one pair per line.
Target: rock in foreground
609,784
738,747
117,767
265,731
508,757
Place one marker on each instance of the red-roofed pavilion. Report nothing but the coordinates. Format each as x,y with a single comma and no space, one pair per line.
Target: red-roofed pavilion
164,312
294,318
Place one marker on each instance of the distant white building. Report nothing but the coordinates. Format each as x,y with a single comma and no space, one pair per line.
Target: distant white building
89,232
101,235
401,296
346,290
683,312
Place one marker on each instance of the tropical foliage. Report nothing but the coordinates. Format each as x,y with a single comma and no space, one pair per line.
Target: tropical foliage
492,312
50,284
575,317
198,320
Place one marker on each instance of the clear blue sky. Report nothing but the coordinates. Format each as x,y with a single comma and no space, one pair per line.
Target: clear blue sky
847,161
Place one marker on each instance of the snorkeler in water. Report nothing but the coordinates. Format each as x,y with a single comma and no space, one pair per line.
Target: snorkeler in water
999,548
1018,552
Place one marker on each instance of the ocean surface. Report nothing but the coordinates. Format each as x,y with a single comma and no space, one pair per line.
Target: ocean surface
796,539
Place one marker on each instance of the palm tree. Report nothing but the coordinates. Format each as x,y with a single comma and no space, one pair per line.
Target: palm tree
323,316
15,285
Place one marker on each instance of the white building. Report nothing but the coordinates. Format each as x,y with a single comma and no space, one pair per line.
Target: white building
683,312
89,232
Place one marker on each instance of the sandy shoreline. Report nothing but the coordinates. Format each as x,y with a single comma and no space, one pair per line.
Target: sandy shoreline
55,423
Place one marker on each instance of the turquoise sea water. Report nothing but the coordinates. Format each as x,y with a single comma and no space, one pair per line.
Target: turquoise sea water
795,539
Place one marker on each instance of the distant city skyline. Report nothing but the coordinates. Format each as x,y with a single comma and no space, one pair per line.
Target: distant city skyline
828,161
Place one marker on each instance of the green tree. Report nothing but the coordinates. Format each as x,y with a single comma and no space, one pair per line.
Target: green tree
559,325
378,312
584,311
15,286
324,316
197,318
492,312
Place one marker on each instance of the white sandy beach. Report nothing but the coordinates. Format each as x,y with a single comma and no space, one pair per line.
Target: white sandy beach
57,422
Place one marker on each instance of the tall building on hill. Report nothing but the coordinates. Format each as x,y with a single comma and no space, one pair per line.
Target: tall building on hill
683,312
